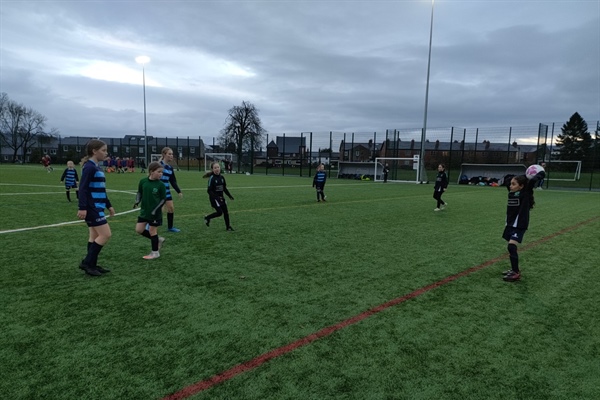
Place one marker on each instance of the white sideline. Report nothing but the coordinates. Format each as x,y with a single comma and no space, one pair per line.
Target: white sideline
59,224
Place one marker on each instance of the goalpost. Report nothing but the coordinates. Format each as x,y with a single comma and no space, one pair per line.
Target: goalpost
401,169
563,170
209,158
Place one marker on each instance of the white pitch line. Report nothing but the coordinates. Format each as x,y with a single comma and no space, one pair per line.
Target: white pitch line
28,194
59,224
36,193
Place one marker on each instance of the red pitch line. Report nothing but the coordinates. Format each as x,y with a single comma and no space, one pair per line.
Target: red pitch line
260,360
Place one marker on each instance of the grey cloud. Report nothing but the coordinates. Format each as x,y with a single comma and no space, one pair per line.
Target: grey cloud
319,66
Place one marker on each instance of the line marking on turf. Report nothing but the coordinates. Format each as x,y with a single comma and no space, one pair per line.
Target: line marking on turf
59,224
29,194
268,356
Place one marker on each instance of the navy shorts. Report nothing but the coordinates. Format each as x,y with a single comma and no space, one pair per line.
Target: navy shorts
515,234
69,187
151,222
94,219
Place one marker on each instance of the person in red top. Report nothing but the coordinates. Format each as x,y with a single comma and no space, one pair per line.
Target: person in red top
46,162
130,165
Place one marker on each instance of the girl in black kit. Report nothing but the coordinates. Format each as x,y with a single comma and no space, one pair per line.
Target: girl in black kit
441,183
520,201
216,188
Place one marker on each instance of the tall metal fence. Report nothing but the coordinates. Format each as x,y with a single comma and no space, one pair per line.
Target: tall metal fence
299,153
452,147
189,152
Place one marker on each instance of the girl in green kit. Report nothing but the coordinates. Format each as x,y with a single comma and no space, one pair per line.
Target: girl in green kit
152,194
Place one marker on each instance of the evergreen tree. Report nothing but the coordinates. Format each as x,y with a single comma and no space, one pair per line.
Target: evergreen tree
575,142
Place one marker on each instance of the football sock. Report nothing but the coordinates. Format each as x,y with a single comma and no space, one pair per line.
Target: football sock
77,193
146,233
514,257
69,195
154,240
92,257
226,216
170,217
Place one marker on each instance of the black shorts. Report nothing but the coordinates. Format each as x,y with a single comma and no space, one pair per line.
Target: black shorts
218,202
515,234
73,186
153,222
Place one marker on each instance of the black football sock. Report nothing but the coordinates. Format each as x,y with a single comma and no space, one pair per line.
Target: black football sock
170,217
69,195
146,233
92,257
154,240
226,216
514,257
77,193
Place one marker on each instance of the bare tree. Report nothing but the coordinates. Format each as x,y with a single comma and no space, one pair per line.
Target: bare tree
243,130
11,117
21,126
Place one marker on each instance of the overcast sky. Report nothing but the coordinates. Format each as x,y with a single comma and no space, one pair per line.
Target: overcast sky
343,66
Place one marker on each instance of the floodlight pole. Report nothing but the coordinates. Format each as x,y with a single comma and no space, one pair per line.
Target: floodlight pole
424,131
145,129
143,60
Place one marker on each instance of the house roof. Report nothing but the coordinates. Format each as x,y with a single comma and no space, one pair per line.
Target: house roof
366,145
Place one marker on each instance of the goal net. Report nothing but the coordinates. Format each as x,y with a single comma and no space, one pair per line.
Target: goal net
400,169
563,170
221,158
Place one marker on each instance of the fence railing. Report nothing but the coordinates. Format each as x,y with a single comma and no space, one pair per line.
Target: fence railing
299,153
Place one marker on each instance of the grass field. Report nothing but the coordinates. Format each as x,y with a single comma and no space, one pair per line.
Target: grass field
294,268
558,180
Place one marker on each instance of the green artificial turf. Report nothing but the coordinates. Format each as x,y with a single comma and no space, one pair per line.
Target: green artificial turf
216,299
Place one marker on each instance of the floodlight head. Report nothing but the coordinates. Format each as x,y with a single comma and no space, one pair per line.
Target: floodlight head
142,60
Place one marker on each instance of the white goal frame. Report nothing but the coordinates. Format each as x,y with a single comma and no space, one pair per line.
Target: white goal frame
411,162
577,173
210,157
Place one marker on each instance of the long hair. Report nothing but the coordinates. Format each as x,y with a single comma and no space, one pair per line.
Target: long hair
93,144
522,180
209,173
164,152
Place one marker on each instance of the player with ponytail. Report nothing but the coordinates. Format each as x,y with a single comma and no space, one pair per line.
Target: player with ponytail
217,187
520,201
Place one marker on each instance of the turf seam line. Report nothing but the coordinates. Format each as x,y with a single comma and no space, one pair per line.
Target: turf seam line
265,357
